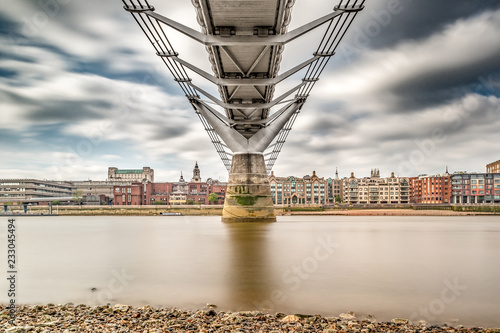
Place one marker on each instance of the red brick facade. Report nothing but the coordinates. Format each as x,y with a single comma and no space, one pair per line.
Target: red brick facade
146,194
430,189
128,194
158,192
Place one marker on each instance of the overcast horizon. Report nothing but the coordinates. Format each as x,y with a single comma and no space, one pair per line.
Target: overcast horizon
414,88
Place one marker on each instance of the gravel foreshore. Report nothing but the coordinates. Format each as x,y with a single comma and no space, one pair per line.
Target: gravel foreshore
125,318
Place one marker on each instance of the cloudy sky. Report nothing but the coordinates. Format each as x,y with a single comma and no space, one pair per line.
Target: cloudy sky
414,87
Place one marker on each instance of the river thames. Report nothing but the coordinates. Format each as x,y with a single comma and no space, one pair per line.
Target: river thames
438,269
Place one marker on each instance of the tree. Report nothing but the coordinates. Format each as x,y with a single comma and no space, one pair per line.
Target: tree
190,202
78,197
338,199
159,202
213,198
56,202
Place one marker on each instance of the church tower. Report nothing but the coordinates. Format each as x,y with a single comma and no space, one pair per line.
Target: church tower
196,174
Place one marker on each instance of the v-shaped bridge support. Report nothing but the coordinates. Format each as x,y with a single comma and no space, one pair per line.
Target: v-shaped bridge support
259,141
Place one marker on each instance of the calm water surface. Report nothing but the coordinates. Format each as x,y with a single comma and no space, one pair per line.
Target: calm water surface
440,269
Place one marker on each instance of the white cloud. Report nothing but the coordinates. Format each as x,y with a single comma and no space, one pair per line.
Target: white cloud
354,118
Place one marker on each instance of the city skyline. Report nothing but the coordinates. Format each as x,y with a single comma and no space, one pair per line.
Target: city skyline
103,177
413,88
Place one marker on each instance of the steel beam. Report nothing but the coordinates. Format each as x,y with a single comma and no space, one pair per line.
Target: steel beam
211,40
244,81
249,106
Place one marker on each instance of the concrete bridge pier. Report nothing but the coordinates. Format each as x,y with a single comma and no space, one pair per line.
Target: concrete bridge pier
248,194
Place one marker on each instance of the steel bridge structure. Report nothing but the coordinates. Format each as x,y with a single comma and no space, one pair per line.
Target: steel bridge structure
247,123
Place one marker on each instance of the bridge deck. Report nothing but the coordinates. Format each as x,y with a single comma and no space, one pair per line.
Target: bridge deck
244,18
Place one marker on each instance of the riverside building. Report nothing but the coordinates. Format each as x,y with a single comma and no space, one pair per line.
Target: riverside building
376,190
132,175
293,190
23,190
475,188
493,167
98,189
335,188
435,189
171,193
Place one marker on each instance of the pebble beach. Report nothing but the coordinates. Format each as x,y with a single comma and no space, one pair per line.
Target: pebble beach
125,318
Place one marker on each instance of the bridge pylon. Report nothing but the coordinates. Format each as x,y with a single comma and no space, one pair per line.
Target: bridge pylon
247,124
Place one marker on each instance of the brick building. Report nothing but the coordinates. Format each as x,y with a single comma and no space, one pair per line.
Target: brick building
158,192
171,193
128,194
435,189
493,167
98,189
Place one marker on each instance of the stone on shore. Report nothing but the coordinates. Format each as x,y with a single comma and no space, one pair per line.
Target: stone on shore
348,316
125,318
122,307
290,318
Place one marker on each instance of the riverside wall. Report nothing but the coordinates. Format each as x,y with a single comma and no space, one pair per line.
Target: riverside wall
280,210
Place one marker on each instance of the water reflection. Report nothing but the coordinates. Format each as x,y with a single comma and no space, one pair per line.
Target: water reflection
250,279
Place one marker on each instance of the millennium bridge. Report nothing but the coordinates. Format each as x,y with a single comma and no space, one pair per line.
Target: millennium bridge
247,123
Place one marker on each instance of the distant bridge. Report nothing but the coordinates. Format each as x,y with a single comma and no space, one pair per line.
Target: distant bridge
244,40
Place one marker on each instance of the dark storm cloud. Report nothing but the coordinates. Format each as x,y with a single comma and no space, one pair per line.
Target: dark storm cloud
460,59
7,25
323,125
68,111
392,135
421,18
161,133
445,84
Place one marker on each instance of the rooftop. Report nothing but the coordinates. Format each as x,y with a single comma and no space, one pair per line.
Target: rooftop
136,171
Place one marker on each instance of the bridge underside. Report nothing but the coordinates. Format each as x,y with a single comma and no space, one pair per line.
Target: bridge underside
248,195
245,40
